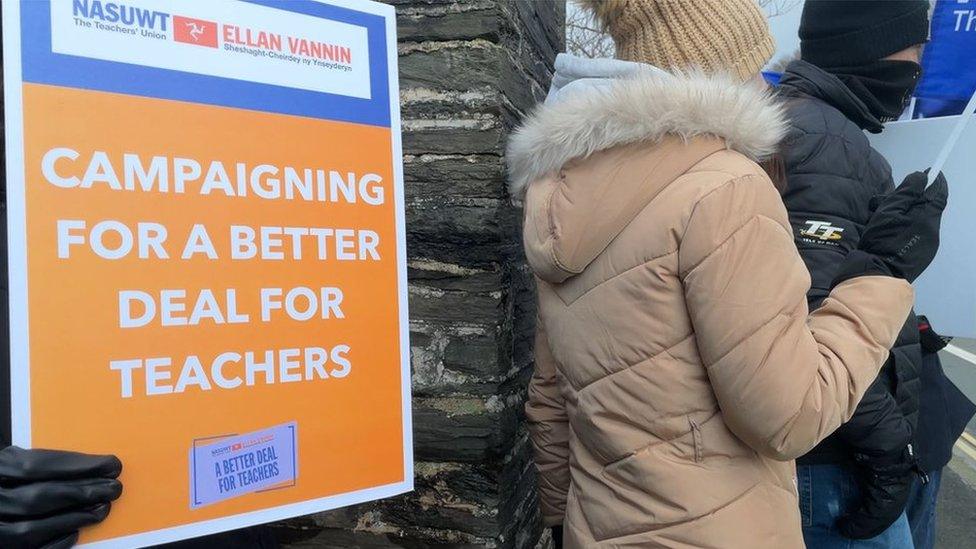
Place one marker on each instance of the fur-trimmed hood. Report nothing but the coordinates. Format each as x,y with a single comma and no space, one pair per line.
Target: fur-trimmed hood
626,103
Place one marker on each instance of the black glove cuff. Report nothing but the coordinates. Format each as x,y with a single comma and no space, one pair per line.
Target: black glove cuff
861,263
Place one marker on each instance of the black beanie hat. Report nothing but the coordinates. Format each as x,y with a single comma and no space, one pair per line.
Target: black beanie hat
835,33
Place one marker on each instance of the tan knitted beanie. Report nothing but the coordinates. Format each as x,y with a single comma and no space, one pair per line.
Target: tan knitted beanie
713,35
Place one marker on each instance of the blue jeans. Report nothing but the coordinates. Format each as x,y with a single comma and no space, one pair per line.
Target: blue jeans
828,492
921,510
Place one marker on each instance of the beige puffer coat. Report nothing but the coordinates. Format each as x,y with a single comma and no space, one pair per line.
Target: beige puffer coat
678,371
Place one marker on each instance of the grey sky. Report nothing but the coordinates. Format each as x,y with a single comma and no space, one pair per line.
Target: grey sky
784,28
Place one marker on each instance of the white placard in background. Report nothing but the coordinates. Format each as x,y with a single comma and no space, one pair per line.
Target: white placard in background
946,293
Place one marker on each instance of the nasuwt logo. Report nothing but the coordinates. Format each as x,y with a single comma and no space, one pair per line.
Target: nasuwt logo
227,448
114,17
155,24
821,230
243,445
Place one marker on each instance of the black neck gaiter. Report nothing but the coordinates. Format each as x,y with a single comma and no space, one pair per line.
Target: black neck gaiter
884,86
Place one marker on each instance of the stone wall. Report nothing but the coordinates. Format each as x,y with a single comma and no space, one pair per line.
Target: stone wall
469,70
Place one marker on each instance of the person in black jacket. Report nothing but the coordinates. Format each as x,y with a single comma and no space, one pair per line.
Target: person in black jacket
858,68
943,414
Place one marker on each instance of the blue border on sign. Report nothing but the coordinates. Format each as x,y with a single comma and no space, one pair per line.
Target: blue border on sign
43,66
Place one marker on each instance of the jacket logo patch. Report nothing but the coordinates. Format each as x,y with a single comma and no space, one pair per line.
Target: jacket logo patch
821,230
820,233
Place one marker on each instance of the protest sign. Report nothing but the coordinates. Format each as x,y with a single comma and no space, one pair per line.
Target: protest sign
948,70
206,254
950,143
946,292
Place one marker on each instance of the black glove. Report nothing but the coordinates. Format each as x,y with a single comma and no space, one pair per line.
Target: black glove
46,496
903,232
557,537
885,486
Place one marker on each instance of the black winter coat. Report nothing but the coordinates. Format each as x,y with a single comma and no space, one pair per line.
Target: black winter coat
943,410
832,178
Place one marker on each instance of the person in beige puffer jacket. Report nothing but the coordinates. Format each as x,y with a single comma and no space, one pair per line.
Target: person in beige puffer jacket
678,371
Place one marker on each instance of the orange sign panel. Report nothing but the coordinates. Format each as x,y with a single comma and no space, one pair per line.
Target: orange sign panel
207,258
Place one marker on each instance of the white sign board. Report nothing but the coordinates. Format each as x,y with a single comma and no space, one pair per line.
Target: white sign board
946,293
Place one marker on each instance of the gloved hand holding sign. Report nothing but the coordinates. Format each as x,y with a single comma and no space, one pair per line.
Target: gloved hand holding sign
904,230
902,236
46,496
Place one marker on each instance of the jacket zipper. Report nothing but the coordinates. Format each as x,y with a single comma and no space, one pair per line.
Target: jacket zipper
916,467
696,436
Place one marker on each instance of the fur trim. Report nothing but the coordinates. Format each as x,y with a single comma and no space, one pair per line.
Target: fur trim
645,108
604,11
